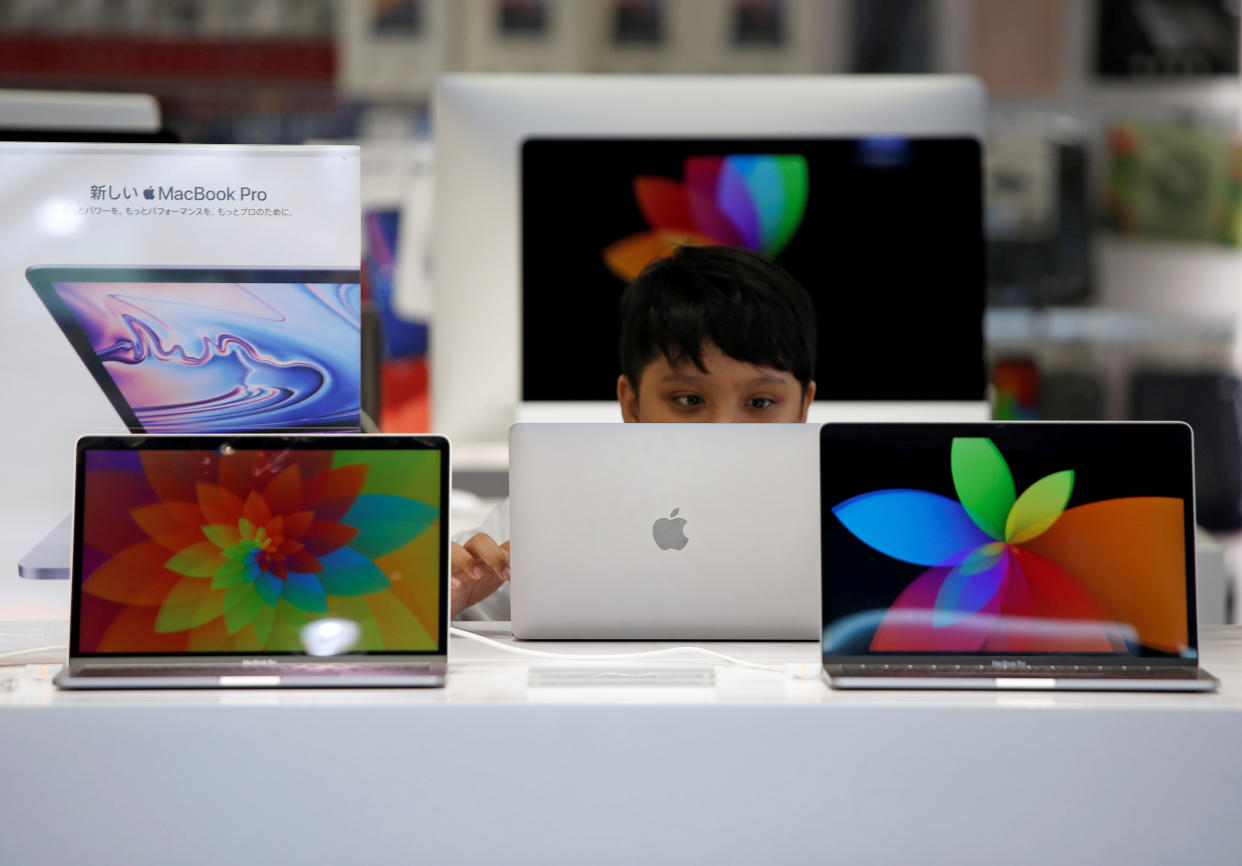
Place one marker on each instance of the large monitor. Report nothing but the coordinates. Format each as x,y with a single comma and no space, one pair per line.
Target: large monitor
867,189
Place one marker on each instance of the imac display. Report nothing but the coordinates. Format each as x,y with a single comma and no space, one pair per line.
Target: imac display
862,223
543,172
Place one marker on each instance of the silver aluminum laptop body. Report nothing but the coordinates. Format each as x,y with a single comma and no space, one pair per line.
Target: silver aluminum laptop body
1010,555
664,531
259,561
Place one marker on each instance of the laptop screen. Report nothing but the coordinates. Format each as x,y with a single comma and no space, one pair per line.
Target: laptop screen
1008,539
233,545
207,350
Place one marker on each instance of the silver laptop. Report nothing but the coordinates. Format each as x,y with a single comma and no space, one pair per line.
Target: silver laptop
665,531
259,561
1010,555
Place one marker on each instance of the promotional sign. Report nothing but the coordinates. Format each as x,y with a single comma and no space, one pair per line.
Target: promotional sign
172,289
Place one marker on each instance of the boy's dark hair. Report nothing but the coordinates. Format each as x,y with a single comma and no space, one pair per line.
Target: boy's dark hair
748,306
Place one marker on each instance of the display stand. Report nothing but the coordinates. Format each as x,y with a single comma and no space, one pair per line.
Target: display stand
50,558
748,766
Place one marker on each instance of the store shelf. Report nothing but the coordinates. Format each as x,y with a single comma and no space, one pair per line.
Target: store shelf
1098,326
49,59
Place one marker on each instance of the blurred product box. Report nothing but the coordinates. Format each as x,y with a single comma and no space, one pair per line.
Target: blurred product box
1175,181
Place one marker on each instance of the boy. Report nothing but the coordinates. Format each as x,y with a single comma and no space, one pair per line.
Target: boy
707,334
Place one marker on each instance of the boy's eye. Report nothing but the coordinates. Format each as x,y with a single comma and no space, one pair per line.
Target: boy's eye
759,402
689,399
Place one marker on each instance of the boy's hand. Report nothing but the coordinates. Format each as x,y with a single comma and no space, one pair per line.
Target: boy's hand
478,569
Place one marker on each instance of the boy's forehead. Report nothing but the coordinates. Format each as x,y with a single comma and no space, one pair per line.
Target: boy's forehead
716,362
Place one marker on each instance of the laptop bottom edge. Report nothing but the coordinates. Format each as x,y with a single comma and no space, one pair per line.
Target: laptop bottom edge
1202,682
420,679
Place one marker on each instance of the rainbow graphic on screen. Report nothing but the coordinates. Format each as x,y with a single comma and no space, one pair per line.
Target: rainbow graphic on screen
751,201
1024,573
195,551
227,357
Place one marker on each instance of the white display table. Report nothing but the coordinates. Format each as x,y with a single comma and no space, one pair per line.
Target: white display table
751,767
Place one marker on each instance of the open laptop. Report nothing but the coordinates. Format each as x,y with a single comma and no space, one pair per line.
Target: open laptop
664,531
260,561
1010,555
200,350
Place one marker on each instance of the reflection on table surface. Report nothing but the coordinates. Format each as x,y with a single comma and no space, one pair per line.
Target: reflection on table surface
481,674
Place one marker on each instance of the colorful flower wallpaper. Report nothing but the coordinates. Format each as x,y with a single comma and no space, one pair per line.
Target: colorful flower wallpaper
1024,572
751,201
208,552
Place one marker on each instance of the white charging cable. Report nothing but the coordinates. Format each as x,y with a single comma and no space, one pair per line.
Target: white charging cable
32,649
667,651
794,669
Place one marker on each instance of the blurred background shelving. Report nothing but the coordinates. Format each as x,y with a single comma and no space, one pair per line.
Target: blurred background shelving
1113,166
1063,77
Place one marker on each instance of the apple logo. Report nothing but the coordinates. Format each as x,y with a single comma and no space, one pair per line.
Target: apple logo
149,193
667,532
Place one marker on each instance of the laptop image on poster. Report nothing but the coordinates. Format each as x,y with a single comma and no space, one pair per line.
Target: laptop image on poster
215,350
260,561
1025,555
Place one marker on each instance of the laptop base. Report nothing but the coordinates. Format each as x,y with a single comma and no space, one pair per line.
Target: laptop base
427,677
49,559
1168,680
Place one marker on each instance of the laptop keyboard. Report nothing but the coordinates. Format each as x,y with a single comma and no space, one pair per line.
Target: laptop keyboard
1032,671
283,669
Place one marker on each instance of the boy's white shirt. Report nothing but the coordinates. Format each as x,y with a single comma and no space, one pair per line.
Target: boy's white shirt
496,605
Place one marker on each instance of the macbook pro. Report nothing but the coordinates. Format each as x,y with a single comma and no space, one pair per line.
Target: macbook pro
1024,555
259,561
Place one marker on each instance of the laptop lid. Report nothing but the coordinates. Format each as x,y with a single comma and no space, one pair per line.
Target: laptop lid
215,548
1009,544
664,531
199,350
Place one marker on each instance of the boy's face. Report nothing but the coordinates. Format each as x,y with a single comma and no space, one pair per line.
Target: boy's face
730,391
